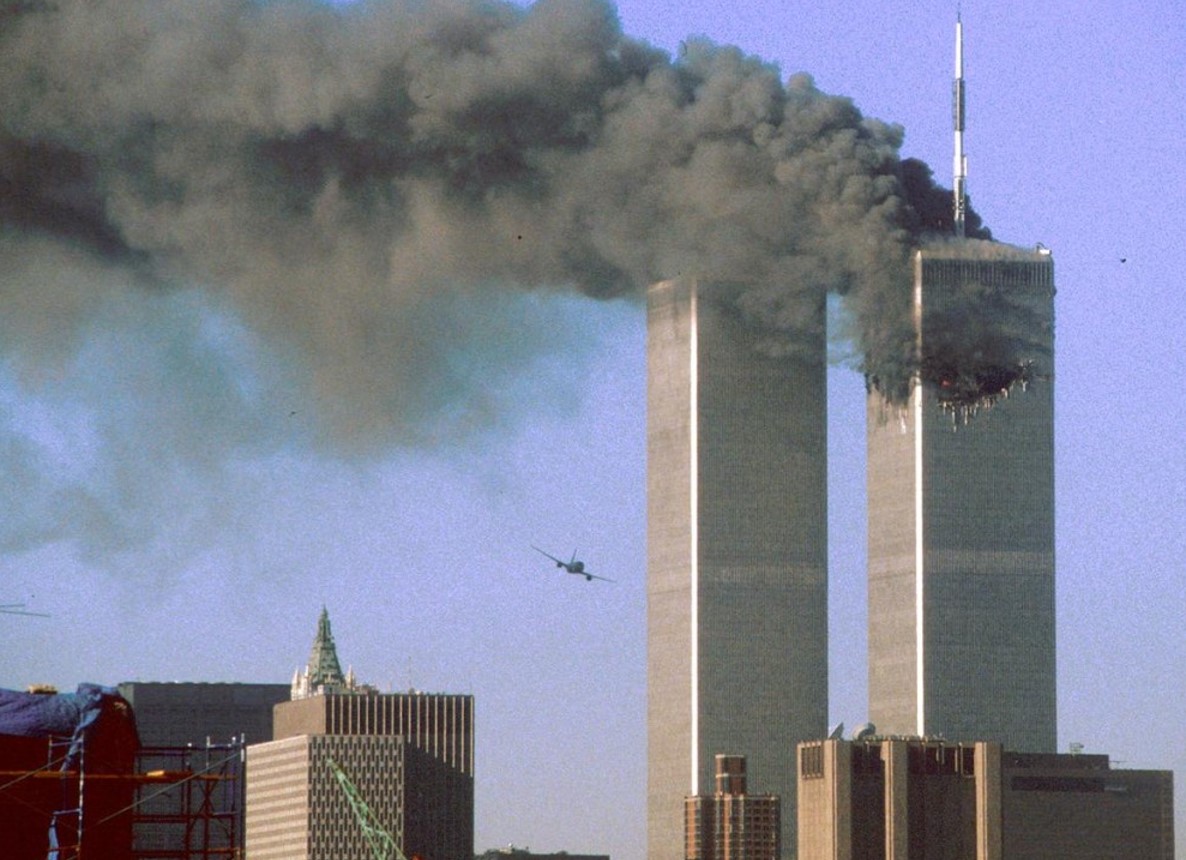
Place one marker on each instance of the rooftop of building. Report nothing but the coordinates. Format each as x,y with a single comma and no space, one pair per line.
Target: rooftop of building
982,249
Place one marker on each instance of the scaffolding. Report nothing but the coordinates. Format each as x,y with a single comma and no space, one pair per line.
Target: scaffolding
177,803
188,803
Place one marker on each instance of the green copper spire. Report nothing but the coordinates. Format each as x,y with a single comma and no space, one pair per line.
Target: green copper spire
324,669
323,673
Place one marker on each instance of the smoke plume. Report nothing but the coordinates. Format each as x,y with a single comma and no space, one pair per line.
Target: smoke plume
371,190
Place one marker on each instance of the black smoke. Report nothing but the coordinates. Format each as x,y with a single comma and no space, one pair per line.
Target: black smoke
364,186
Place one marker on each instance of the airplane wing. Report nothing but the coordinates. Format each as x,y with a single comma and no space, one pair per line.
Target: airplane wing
19,609
548,554
588,575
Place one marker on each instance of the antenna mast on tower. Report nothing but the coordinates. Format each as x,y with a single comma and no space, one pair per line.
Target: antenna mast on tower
960,182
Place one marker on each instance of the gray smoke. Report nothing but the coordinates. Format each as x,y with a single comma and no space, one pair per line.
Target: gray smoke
374,190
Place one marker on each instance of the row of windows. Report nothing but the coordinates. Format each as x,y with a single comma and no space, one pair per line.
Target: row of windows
1009,273
439,724
811,761
921,758
937,759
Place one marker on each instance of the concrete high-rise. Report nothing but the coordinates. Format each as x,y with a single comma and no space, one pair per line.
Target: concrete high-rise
298,810
898,798
180,714
961,526
339,746
408,756
736,552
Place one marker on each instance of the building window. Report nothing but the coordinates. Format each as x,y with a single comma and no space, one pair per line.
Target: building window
1056,783
812,761
968,761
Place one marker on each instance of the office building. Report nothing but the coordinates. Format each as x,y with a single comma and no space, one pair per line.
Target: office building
731,823
961,498
195,728
177,714
348,767
736,552
298,808
902,799
408,756
439,724
961,527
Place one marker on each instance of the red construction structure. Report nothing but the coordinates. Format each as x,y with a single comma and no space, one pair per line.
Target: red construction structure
75,784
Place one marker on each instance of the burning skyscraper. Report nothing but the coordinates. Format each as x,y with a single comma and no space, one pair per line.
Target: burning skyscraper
961,531
961,499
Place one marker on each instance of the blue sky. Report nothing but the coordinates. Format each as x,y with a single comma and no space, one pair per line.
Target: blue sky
218,555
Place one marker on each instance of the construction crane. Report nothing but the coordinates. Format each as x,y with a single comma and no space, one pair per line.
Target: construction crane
381,842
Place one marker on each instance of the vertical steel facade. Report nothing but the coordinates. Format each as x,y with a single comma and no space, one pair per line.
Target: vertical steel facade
440,724
737,554
409,754
961,533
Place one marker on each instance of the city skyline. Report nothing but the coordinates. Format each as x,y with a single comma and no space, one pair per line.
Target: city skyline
1072,135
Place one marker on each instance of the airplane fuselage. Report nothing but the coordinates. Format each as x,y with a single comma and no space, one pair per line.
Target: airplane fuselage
574,566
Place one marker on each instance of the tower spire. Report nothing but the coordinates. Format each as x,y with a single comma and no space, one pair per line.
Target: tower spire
960,161
323,673
324,668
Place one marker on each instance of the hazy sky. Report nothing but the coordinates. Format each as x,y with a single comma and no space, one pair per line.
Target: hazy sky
184,490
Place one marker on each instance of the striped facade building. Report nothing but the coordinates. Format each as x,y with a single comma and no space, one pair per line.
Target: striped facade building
349,768
296,808
961,520
737,614
409,757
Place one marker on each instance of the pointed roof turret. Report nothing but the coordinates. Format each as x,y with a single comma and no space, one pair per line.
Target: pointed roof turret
323,673
324,669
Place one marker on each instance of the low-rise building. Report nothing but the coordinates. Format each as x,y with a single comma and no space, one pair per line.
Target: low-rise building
731,823
913,799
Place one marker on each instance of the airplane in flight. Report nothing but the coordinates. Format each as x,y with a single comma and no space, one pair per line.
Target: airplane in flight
19,609
574,566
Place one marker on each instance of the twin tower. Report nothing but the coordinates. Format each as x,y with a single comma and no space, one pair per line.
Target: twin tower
960,547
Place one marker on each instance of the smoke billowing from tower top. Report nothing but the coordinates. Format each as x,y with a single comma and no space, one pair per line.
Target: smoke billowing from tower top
333,169
359,184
